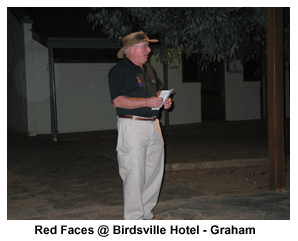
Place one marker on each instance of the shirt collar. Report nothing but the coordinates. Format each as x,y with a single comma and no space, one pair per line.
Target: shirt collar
131,63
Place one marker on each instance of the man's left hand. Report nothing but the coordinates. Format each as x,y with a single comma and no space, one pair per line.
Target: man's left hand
168,103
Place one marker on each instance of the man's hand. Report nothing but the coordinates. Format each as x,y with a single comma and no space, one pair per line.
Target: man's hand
168,103
133,103
154,102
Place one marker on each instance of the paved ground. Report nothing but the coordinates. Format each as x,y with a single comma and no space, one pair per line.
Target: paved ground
77,177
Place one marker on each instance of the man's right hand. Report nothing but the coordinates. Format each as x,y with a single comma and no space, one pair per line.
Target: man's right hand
154,102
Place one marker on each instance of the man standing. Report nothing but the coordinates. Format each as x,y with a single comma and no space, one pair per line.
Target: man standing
134,89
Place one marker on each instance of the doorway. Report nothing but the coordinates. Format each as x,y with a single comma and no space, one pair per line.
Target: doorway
213,92
212,86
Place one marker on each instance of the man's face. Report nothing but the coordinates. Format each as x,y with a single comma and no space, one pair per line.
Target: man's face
138,53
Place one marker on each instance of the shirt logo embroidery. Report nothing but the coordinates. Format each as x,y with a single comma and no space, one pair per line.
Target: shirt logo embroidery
139,81
153,81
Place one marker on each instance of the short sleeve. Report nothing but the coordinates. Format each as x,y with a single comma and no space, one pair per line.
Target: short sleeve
116,84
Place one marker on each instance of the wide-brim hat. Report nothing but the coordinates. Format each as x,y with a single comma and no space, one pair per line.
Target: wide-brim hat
132,39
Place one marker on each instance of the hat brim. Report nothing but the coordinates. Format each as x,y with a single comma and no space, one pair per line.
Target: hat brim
120,53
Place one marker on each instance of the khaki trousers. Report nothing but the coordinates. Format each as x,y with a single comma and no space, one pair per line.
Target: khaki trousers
140,151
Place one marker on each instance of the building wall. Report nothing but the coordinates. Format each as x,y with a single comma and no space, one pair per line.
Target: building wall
41,89
243,101
16,75
30,79
83,98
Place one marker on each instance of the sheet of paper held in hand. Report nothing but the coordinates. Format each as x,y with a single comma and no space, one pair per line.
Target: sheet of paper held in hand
165,95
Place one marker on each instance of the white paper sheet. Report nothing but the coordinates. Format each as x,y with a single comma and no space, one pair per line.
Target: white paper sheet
165,95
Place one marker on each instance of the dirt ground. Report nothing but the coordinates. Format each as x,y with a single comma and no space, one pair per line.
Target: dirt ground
218,181
222,141
227,180
210,142
200,143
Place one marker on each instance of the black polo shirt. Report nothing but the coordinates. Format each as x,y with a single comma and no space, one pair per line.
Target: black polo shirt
128,79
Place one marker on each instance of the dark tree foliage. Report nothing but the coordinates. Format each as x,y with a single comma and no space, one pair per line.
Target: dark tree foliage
215,33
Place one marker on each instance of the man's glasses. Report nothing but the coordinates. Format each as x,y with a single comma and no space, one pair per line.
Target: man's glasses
144,47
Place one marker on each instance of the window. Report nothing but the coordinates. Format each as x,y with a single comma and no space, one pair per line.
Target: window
190,68
86,55
249,71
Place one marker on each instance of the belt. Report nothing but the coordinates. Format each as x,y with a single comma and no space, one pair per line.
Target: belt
137,117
